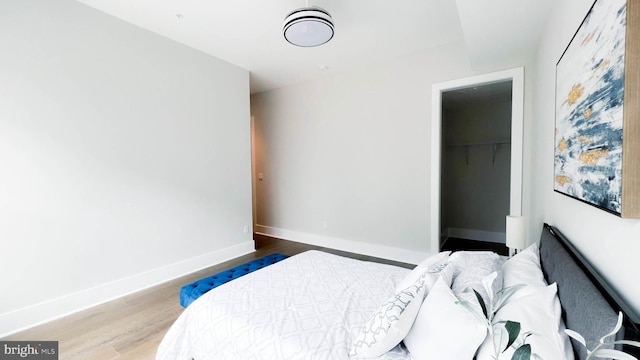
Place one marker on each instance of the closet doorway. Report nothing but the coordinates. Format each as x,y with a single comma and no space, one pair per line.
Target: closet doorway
476,160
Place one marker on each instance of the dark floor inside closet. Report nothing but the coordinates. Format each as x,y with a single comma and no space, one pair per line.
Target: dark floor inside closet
457,244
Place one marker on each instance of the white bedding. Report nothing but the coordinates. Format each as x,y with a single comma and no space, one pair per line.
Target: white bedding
309,306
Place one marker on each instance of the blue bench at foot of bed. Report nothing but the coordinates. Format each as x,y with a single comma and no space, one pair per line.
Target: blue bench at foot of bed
192,291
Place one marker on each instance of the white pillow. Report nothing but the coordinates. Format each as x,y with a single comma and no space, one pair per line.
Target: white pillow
446,275
470,268
444,330
538,313
524,268
391,322
433,263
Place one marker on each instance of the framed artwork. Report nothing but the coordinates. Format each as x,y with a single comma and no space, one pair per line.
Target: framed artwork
597,131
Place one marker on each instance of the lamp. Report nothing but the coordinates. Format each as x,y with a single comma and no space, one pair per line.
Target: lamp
516,233
309,26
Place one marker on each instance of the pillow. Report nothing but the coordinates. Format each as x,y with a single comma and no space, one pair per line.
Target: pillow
524,268
446,275
470,268
391,322
539,313
433,263
444,330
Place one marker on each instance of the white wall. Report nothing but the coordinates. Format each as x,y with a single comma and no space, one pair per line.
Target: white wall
124,159
611,243
351,151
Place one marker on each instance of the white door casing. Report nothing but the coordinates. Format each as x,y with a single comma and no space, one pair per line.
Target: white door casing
516,76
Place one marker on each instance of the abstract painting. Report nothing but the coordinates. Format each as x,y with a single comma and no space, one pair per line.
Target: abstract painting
590,92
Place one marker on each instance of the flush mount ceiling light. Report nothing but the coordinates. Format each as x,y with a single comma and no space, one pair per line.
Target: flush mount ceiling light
309,26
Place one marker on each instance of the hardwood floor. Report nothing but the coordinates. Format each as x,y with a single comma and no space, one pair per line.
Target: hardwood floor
133,326
455,244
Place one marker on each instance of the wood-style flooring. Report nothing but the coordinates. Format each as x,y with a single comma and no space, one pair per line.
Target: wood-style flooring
456,244
132,327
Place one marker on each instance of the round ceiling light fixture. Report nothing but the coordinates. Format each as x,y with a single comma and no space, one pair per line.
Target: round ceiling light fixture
309,26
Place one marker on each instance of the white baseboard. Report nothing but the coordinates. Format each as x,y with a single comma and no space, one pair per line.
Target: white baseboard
489,236
358,247
24,318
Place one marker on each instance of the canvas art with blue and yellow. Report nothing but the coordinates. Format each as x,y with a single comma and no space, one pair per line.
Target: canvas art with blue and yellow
589,109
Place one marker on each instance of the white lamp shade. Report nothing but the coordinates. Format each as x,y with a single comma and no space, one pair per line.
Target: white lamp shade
517,232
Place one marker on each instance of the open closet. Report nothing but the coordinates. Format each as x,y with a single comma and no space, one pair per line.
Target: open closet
476,163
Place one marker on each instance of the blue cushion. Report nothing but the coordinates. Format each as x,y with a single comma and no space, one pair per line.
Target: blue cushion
192,291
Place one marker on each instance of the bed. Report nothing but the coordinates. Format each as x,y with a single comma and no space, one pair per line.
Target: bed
322,306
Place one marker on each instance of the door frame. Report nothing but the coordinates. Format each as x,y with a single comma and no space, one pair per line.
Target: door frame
516,76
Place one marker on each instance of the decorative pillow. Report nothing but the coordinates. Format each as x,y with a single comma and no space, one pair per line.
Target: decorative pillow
539,313
524,268
433,264
391,322
444,330
446,275
470,268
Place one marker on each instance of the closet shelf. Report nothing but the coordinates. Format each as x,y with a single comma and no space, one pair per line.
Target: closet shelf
468,145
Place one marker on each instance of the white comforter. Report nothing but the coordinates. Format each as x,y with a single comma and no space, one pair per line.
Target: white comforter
309,306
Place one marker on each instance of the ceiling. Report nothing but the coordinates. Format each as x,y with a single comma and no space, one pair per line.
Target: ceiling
248,33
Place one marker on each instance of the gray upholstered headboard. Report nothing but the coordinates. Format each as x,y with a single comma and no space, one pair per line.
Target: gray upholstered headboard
590,305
